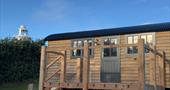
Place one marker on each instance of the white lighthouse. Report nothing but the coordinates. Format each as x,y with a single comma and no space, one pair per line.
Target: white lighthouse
22,33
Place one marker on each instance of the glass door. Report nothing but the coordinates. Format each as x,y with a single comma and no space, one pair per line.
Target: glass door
110,63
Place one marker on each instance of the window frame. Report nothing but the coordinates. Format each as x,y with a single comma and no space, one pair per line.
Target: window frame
46,43
81,56
118,43
139,37
126,38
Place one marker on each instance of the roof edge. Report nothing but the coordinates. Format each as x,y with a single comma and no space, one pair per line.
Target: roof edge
110,31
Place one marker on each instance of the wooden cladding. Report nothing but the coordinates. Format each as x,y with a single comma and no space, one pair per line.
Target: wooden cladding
129,63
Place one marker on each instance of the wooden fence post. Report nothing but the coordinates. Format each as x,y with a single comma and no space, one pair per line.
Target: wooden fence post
42,68
153,68
162,69
159,70
78,72
141,64
63,67
85,67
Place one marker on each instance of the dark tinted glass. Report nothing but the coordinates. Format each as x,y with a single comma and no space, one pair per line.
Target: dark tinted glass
90,51
78,52
113,51
135,49
130,50
106,52
106,41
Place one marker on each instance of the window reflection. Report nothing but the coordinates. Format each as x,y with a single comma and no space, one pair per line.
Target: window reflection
77,52
144,38
113,41
133,39
149,38
75,44
90,51
79,44
90,42
108,52
113,51
130,40
106,41
132,50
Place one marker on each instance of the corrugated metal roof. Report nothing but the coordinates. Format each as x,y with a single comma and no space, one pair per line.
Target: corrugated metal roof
112,31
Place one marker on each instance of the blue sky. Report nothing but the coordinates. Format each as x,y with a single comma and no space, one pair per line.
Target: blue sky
44,17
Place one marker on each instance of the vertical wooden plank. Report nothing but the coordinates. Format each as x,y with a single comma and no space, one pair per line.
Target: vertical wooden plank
42,68
162,67
85,67
159,70
78,71
153,68
141,64
63,67
31,86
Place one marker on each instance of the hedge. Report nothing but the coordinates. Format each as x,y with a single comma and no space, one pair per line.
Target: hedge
19,60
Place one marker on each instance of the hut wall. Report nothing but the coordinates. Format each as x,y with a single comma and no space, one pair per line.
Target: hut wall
128,65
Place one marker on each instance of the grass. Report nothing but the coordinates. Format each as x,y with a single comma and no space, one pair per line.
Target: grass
18,86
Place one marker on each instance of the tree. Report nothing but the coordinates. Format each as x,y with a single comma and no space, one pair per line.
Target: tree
19,59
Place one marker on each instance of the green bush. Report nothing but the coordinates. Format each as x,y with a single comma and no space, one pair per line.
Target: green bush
19,60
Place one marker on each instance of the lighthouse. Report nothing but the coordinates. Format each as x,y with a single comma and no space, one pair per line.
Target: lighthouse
22,33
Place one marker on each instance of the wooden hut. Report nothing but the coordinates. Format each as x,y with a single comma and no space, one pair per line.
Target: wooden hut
125,58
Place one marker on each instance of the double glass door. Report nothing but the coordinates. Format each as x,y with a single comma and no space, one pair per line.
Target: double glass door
110,63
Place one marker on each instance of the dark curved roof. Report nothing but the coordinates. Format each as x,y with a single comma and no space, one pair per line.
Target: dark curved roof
112,31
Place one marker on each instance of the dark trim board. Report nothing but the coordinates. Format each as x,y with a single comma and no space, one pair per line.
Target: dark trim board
112,31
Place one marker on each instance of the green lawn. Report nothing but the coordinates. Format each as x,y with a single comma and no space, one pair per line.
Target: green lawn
18,86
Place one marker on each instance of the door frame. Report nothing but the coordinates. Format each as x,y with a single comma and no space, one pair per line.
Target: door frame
118,53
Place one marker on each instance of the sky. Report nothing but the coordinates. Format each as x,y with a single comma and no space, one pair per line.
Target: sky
44,17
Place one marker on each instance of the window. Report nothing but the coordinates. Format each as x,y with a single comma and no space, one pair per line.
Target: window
110,41
132,50
110,52
133,39
77,53
113,51
90,43
148,39
46,43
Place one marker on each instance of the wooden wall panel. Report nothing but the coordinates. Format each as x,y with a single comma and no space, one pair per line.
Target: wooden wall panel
94,75
163,44
129,70
128,64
